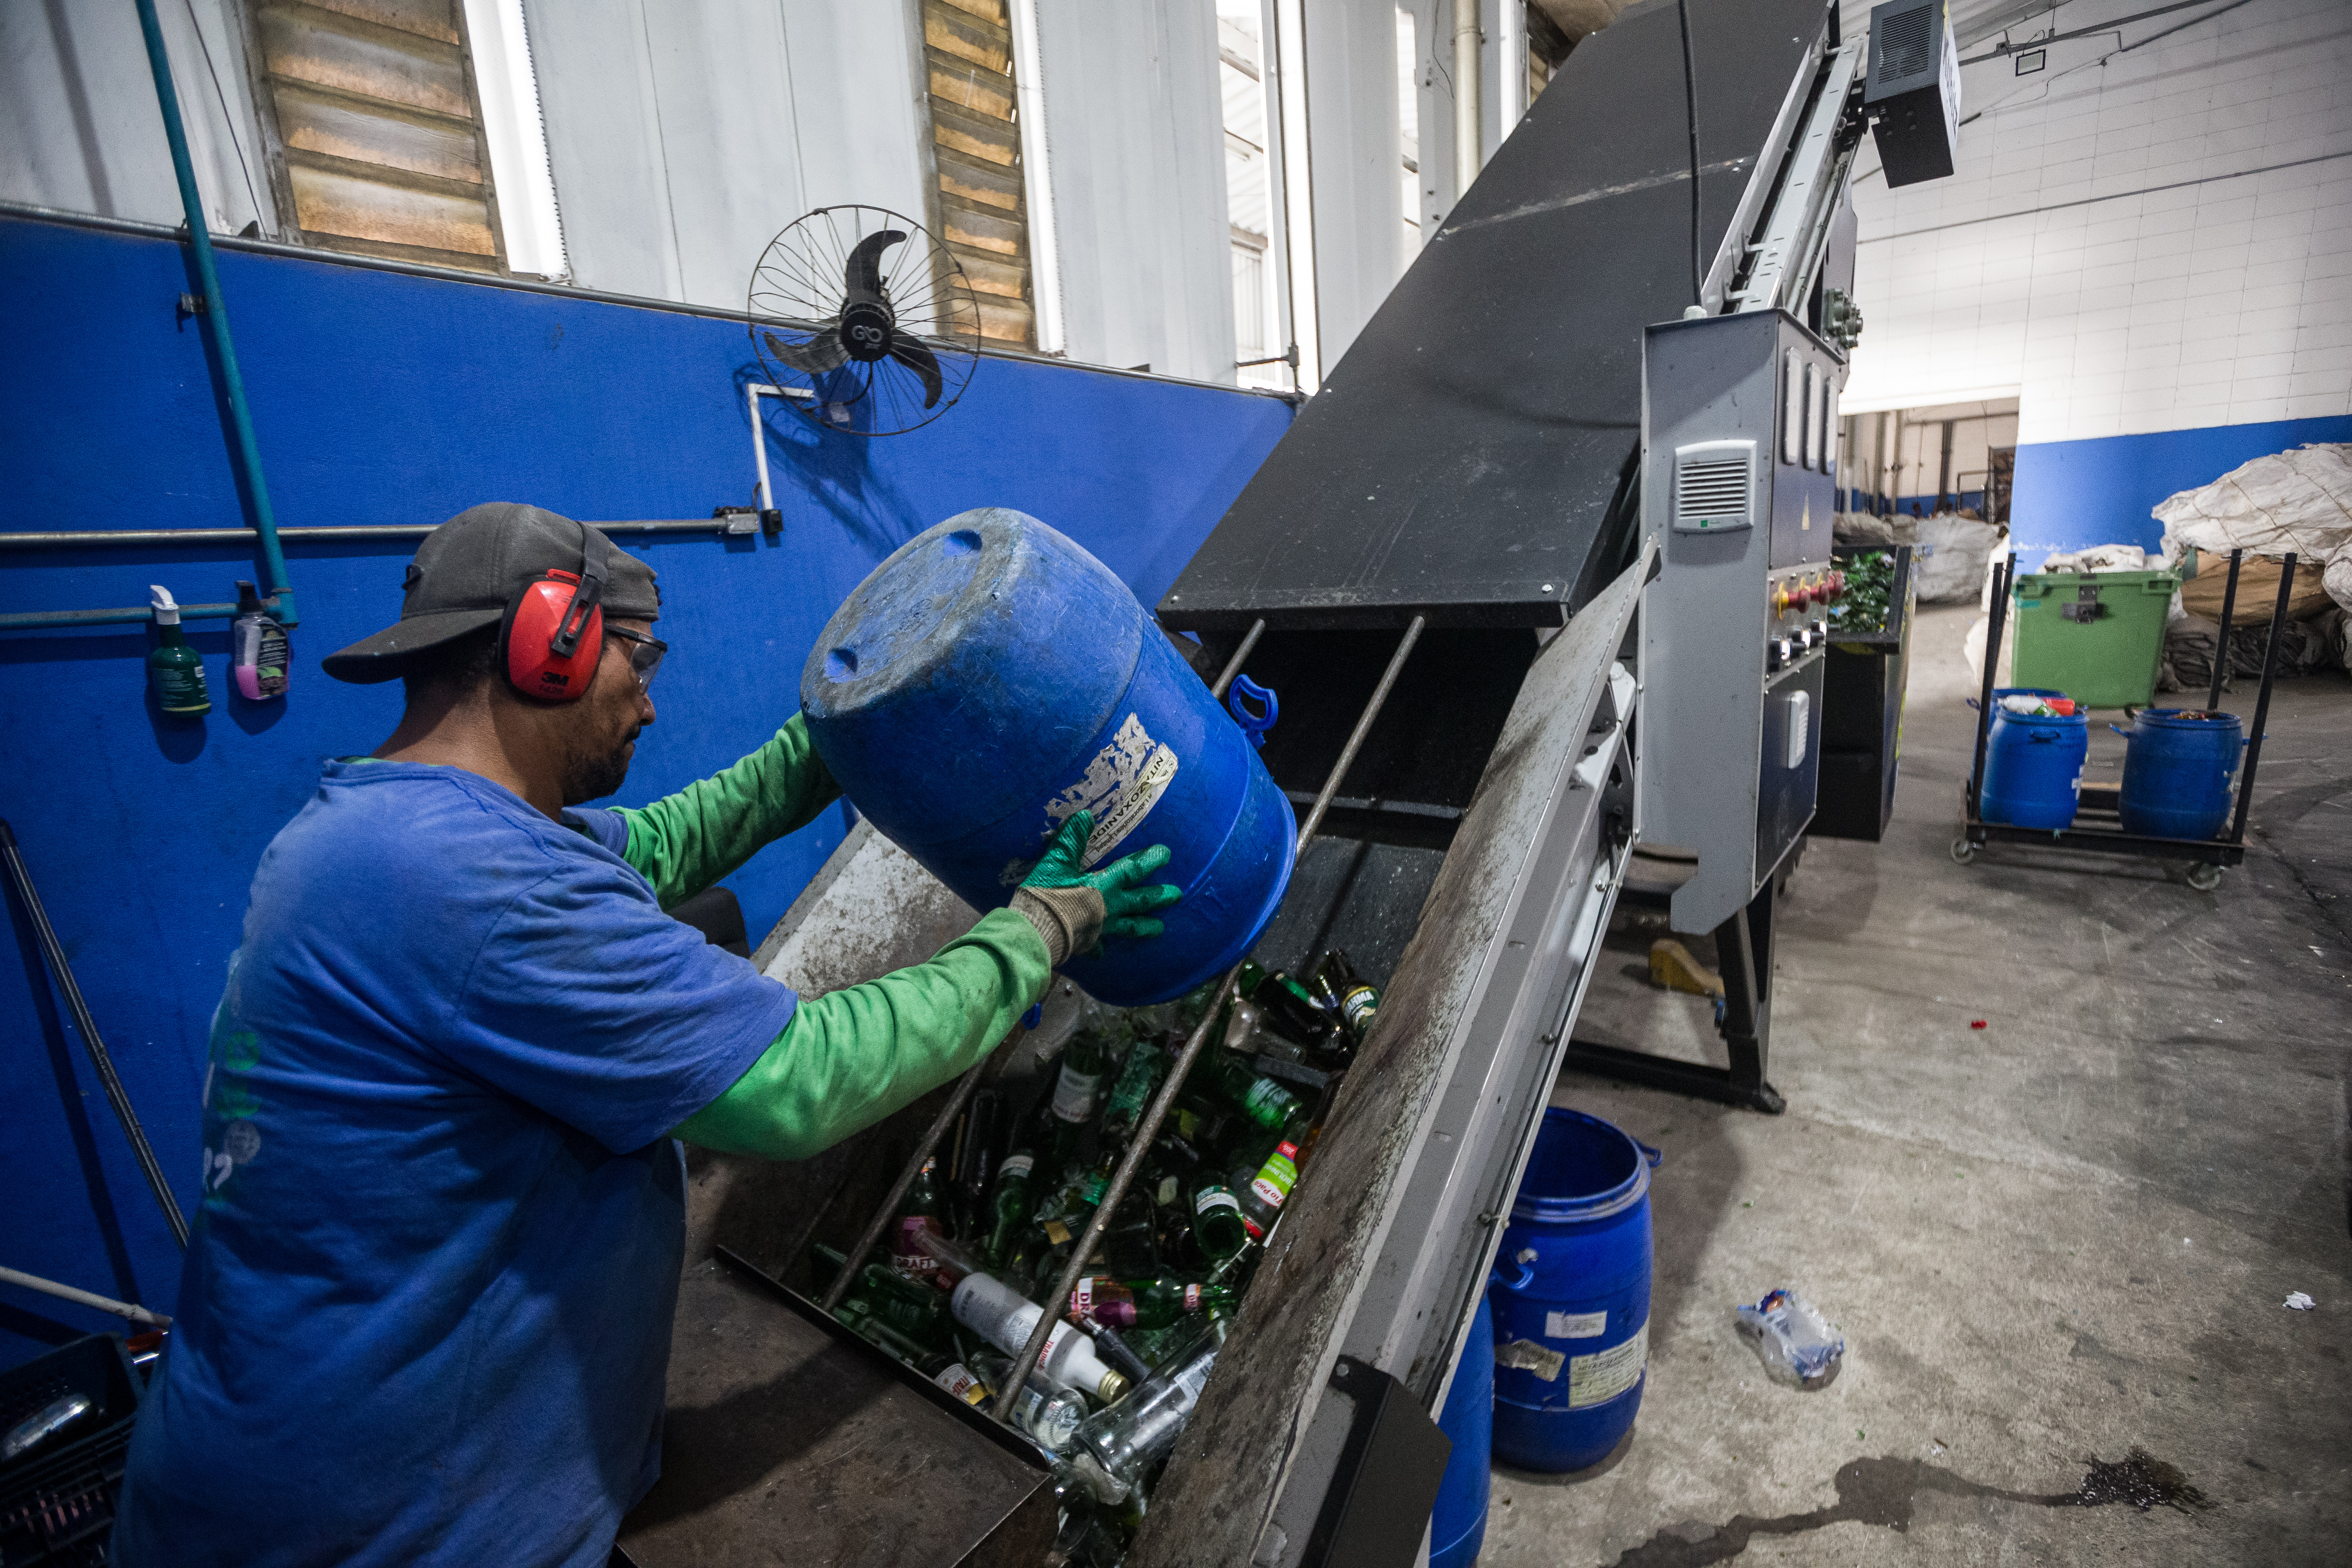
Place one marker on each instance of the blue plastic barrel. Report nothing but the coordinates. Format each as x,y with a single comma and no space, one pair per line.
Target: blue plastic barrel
2033,767
1458,1525
990,678
2179,766
1571,1297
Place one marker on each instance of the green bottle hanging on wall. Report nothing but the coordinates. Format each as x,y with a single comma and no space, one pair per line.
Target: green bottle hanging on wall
174,671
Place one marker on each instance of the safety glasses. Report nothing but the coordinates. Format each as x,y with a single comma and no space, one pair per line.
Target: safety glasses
645,652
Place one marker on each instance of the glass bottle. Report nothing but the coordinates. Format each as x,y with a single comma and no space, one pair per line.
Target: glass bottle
921,1217
1357,1002
1263,1190
1291,1010
1005,1318
1262,1099
1077,1095
1125,1439
1046,1413
1138,1080
1219,1229
1010,1203
1146,1303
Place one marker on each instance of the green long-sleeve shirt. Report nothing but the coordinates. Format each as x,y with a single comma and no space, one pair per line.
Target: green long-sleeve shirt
850,1057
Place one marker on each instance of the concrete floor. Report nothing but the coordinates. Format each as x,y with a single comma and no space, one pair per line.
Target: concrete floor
2050,1241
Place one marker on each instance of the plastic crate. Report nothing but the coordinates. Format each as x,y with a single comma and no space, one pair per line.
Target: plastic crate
2095,635
57,1503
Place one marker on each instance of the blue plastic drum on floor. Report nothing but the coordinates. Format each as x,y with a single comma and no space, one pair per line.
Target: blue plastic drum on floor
2178,770
991,678
1571,1297
2033,766
1458,1525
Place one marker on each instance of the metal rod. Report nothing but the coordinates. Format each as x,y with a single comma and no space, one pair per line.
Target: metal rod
348,534
2262,700
2222,645
86,1298
1148,1128
898,1192
215,318
1233,664
1364,727
128,615
2001,573
21,877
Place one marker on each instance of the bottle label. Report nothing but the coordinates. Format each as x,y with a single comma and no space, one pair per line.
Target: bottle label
1209,1200
1192,1377
910,1250
1016,1165
1057,1232
1166,1193
1359,1005
1278,1175
964,1384
1191,1299
1268,1103
1073,1094
182,690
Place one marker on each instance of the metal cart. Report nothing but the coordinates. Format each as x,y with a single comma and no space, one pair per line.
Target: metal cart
2098,826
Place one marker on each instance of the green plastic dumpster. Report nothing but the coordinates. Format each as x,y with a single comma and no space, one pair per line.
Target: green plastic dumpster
2095,635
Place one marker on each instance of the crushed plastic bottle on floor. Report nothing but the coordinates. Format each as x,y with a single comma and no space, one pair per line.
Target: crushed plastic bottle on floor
1795,1342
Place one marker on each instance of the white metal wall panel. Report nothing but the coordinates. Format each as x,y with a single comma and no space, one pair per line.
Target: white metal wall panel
1357,149
79,127
1133,106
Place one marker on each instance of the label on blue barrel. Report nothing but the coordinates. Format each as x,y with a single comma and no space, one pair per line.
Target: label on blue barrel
1598,1378
1121,786
1575,1325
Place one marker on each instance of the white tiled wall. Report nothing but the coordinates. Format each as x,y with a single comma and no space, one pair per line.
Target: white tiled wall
2104,250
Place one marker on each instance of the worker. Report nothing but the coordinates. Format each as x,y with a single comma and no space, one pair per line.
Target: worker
425,1315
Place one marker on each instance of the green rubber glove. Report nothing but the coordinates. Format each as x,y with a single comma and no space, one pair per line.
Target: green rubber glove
1128,902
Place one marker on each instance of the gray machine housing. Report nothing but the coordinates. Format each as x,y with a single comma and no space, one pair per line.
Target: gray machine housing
1913,91
1738,422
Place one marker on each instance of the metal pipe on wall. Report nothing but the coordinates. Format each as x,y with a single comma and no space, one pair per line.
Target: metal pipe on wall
215,320
1467,161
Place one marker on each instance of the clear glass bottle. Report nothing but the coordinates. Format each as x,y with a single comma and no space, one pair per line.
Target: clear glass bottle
1005,1319
1128,1438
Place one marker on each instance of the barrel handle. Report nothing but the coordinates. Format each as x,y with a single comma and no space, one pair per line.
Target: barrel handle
1527,1274
1252,725
2119,729
1654,1156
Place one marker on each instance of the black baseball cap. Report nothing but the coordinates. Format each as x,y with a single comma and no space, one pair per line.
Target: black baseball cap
469,567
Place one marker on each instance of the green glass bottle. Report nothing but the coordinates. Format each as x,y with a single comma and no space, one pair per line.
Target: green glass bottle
174,671
1138,1080
1262,1099
1077,1095
1146,1303
922,1216
1009,1201
1218,1229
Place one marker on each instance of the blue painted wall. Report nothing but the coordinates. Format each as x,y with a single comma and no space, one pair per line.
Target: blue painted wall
2069,495
380,399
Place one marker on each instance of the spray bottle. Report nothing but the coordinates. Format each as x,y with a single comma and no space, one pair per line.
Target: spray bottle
174,671
260,653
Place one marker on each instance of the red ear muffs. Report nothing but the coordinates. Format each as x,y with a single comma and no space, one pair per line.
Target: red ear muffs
536,624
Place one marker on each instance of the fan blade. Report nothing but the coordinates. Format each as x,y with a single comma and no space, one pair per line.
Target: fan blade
820,355
862,274
922,361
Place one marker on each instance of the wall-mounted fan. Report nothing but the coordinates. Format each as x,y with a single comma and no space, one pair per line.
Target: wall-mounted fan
870,314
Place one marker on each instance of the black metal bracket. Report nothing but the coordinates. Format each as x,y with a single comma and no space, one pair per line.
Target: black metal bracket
1377,1509
1743,957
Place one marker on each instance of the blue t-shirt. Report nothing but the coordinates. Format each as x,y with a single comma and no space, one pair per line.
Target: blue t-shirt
425,1314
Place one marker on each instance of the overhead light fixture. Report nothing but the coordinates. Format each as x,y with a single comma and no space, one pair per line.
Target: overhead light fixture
2031,61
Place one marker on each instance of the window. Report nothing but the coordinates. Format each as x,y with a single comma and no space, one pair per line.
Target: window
1408,125
373,113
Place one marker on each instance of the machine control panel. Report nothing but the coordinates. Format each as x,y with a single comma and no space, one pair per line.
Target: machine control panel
1796,613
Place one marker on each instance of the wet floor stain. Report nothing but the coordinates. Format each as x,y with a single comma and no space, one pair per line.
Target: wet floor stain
1885,1492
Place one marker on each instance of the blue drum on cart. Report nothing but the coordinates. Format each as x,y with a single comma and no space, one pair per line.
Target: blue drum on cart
991,678
2033,766
2178,769
1571,1295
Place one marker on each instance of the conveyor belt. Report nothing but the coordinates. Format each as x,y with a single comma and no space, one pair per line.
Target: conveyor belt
1468,460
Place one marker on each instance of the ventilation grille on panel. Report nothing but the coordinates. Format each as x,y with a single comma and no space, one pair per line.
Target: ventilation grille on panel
1904,43
1715,487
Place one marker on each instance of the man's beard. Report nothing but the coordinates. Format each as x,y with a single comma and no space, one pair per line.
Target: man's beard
597,774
